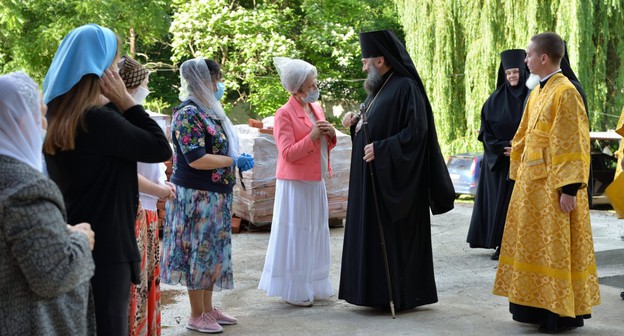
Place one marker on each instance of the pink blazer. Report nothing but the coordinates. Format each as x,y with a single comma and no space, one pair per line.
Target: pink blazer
299,157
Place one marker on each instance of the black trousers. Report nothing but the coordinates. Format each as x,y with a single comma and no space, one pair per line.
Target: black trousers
111,292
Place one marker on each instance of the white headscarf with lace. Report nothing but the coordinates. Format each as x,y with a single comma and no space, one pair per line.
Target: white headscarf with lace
196,85
20,119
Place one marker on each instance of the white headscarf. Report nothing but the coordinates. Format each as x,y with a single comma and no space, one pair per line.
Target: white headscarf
20,119
196,85
293,72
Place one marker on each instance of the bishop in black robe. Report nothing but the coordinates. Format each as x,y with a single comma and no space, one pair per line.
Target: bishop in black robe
500,118
410,178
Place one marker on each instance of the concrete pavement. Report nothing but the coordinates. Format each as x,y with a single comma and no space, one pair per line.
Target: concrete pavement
464,278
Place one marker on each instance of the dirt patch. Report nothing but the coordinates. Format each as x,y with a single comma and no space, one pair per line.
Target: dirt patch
168,297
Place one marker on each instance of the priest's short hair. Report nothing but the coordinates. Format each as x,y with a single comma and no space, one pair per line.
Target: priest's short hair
551,44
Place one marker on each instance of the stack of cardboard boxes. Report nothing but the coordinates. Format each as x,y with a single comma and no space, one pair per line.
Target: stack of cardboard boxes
255,203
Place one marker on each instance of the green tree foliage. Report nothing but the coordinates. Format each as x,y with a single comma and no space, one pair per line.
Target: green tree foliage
244,36
456,45
31,30
164,79
330,40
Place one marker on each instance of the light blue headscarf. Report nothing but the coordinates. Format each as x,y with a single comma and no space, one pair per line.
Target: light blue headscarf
89,49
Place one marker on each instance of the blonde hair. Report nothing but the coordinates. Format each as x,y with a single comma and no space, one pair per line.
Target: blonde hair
66,114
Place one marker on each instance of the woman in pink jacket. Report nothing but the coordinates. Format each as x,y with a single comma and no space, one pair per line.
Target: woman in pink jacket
296,267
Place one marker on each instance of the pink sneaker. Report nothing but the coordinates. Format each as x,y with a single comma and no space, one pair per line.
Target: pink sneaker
205,324
220,317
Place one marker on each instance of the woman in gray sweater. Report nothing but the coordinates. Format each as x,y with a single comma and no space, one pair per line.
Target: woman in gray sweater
45,264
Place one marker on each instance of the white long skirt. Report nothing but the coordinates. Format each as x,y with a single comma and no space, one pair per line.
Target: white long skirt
297,261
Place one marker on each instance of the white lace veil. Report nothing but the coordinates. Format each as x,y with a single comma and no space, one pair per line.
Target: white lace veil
196,85
293,72
20,119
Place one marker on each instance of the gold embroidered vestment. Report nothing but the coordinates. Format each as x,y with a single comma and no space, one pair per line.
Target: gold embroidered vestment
547,256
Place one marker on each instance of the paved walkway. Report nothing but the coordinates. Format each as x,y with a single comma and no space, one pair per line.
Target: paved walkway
464,278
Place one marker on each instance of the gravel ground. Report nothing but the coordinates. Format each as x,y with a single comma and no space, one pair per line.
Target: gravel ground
464,278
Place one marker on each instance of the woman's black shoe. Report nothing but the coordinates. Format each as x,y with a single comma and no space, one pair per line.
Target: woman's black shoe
496,254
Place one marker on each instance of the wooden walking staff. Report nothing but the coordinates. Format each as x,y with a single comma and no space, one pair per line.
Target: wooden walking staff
379,226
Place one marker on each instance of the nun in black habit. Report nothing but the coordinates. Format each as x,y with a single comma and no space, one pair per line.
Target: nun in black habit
500,118
410,178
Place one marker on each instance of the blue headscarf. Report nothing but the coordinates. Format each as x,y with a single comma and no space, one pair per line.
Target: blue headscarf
89,49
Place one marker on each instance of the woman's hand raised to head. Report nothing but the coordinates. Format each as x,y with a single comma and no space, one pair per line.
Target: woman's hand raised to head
114,89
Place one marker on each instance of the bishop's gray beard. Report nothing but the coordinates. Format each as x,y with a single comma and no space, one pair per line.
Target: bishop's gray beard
373,81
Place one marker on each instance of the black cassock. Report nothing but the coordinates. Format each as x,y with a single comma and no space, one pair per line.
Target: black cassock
407,166
500,118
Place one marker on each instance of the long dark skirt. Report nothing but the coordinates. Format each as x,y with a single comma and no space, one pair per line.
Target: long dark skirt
490,208
545,318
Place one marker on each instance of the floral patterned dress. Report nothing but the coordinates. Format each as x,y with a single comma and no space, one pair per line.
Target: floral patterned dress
197,247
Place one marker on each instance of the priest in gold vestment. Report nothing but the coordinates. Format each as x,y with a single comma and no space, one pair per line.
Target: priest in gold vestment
547,265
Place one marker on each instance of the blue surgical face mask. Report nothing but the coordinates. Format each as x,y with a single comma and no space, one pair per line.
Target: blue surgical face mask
312,96
220,90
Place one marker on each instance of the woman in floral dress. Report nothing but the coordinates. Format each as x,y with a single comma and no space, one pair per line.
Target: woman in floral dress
197,249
